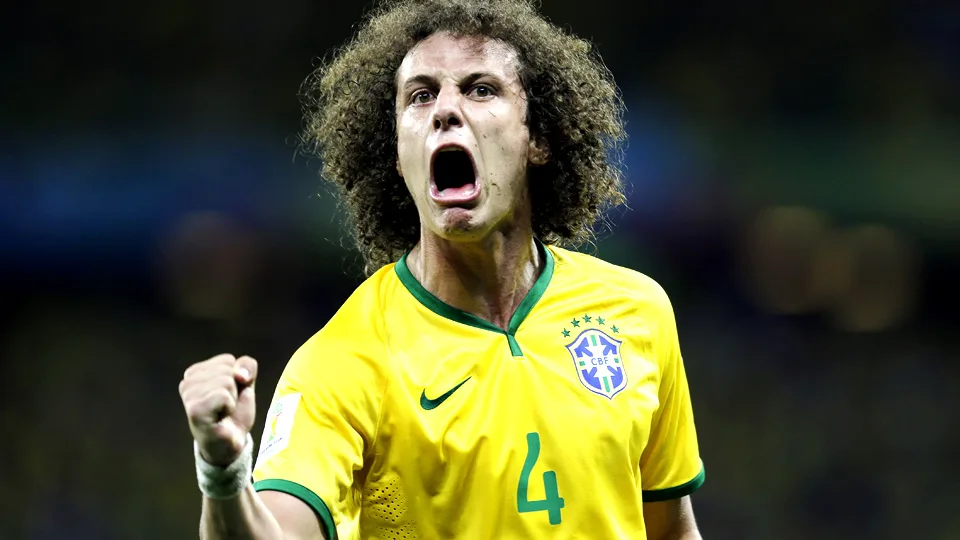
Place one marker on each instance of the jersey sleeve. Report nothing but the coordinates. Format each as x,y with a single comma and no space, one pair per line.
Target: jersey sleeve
670,466
321,423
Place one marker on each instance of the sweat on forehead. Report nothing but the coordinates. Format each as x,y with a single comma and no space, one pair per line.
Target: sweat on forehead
447,51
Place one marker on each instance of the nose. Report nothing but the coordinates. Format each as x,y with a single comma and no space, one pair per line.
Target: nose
447,113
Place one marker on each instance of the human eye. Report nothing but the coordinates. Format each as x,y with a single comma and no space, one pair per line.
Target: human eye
421,97
482,91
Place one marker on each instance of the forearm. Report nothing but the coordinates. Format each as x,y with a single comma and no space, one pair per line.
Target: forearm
670,520
676,533
679,531
690,534
244,517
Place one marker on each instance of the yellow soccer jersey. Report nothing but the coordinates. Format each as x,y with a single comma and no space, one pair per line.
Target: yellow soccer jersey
405,418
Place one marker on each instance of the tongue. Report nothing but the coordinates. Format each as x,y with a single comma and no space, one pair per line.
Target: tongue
459,191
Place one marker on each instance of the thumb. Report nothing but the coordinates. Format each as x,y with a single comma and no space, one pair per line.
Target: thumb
245,375
246,411
245,371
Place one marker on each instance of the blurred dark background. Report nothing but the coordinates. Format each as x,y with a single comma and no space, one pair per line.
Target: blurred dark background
794,174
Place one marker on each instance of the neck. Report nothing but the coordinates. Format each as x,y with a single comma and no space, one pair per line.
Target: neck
488,278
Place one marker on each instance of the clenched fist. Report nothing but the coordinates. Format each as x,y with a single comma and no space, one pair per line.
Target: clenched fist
218,396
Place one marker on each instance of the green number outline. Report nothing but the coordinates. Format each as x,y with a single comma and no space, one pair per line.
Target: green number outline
552,503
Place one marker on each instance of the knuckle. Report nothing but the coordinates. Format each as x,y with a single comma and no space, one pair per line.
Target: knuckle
190,371
224,396
194,410
222,359
203,370
205,365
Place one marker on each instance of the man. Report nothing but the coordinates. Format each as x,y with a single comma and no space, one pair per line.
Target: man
483,382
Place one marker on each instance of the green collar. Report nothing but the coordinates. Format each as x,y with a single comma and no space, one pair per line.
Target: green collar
437,306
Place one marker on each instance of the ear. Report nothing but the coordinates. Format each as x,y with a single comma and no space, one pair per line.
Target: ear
399,170
538,152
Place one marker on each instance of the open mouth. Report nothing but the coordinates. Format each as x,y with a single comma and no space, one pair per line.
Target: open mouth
453,176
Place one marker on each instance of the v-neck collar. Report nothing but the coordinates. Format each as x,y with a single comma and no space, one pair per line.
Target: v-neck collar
447,311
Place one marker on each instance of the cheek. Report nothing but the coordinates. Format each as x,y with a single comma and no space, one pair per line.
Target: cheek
403,149
409,144
507,139
519,136
512,145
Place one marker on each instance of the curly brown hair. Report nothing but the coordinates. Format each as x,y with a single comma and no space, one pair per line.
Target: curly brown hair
573,105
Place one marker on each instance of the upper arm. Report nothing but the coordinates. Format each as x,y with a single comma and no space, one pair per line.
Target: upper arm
670,519
297,520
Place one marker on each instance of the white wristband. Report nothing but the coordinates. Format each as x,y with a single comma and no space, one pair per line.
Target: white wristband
224,482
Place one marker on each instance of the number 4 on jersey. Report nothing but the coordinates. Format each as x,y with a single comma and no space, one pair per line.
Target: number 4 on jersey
552,502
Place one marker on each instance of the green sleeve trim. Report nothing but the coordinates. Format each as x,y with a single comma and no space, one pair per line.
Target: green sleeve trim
305,495
667,494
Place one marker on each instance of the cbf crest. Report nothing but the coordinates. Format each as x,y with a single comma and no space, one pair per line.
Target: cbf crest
599,365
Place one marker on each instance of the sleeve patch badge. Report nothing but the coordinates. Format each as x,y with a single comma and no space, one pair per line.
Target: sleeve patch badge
279,425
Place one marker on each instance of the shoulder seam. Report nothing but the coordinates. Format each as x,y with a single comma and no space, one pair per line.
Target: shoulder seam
618,271
625,289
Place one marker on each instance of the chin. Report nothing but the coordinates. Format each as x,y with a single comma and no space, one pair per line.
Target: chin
460,224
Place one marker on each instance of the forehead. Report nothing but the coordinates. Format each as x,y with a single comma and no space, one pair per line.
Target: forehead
444,53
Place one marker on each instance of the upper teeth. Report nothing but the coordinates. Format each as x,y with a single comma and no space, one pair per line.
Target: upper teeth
451,149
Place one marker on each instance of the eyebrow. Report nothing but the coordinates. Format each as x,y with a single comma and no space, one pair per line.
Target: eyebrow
431,81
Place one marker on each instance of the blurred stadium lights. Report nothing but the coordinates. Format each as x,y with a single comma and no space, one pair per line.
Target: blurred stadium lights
117,194
208,264
782,250
797,262
880,289
666,158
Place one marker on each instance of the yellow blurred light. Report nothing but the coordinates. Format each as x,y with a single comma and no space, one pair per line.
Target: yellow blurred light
784,249
208,263
879,289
